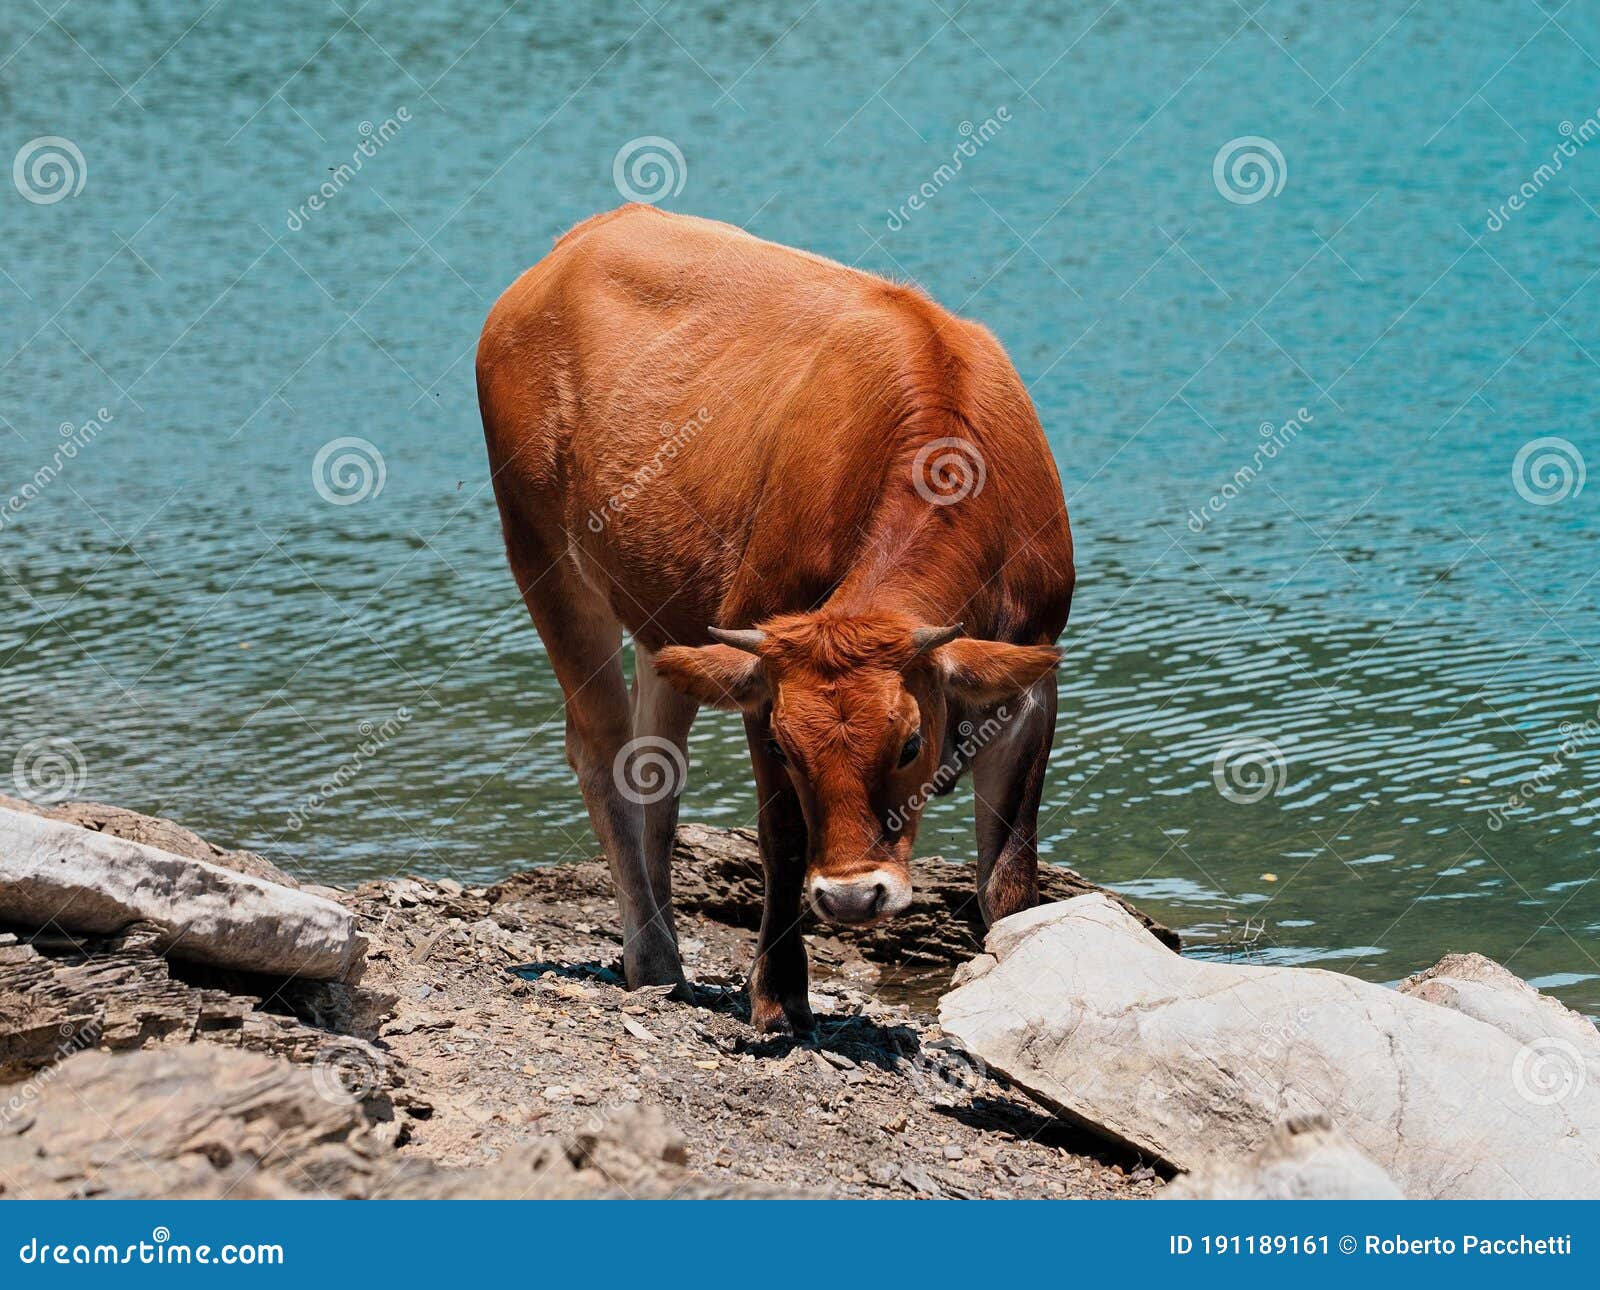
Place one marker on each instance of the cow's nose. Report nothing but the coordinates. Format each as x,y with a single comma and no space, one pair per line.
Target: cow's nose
862,899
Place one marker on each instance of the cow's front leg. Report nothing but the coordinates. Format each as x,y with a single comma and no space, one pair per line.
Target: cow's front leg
779,980
1007,782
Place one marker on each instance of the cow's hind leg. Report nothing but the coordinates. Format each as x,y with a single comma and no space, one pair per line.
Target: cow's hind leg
1007,782
662,718
779,979
584,642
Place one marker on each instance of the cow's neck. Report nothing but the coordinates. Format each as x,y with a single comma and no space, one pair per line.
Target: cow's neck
911,563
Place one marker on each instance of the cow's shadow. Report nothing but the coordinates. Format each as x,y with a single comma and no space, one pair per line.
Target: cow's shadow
857,1039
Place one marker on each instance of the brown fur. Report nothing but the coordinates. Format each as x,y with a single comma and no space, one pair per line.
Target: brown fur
760,410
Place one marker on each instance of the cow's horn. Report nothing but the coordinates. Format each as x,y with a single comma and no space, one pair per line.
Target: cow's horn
746,638
927,638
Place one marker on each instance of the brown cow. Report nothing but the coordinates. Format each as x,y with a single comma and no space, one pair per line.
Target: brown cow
697,436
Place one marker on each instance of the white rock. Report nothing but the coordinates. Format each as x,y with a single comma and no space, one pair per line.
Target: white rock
56,874
1184,1059
1302,1159
1481,988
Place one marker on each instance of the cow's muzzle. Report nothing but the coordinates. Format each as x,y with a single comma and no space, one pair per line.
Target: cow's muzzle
863,899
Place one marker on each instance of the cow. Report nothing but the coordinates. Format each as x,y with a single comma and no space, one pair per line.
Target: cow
811,496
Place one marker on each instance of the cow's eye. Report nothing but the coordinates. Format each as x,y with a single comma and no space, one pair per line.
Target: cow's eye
908,754
776,750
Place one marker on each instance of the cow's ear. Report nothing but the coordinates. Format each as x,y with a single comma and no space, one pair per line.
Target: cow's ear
720,676
988,671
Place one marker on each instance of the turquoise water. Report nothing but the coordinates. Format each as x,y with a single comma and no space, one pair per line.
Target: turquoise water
193,629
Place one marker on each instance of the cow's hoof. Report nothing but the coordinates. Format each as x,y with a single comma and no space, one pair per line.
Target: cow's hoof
773,1019
646,979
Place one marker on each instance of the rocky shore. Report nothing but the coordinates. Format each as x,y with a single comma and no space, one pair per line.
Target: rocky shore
482,1046
181,1020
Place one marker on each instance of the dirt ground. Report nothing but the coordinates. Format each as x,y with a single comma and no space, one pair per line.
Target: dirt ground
489,1049
509,1021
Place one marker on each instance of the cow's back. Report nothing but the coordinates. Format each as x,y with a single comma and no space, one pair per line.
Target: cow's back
717,421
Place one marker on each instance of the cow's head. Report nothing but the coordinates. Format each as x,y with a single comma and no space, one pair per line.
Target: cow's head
854,707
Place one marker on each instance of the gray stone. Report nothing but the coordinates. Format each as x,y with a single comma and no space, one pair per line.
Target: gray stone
1302,1159
1481,988
1184,1059
56,875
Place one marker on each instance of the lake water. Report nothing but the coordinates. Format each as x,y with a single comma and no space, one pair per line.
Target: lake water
1403,609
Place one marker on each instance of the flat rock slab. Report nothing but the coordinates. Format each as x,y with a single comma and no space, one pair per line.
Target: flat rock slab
1302,1159
1187,1060
203,1122
54,874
